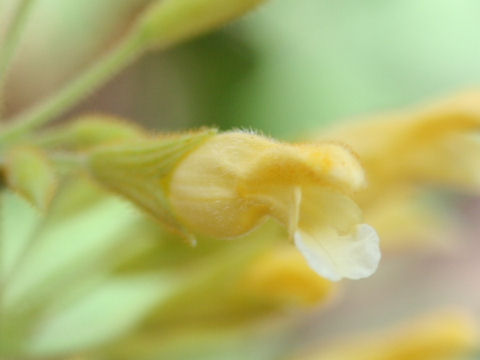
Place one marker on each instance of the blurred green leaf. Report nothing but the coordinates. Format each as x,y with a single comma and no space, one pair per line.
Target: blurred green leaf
76,243
89,131
169,22
50,263
28,171
13,237
109,310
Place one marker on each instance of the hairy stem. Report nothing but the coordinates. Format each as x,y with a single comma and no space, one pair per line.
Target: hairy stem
75,91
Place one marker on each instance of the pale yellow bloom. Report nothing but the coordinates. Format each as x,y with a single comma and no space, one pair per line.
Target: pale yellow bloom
443,335
226,185
234,181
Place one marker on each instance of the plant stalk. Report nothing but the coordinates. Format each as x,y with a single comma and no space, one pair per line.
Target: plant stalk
75,91
11,41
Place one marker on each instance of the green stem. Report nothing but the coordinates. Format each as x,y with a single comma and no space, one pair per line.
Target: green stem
75,91
12,39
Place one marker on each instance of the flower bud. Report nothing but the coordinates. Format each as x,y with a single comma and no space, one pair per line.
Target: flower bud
168,22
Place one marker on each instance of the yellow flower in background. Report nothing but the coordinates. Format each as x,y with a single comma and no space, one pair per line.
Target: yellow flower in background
443,334
225,185
281,276
437,145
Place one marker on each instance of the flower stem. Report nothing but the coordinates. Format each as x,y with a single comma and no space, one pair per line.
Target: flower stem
12,39
75,91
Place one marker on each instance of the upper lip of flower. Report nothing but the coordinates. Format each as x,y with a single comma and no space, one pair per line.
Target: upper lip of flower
322,164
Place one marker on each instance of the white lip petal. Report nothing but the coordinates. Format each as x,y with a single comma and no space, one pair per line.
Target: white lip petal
334,256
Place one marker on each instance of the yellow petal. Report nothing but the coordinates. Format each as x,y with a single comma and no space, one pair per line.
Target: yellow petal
204,187
453,160
330,164
324,207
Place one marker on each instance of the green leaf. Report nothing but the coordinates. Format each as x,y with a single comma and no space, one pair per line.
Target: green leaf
52,265
214,342
15,236
89,131
111,309
28,172
65,250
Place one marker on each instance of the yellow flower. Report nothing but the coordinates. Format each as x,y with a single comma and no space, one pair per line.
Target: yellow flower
437,144
227,184
440,335
281,276
231,183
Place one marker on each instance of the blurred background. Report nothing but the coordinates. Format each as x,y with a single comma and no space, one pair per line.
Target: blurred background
287,69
